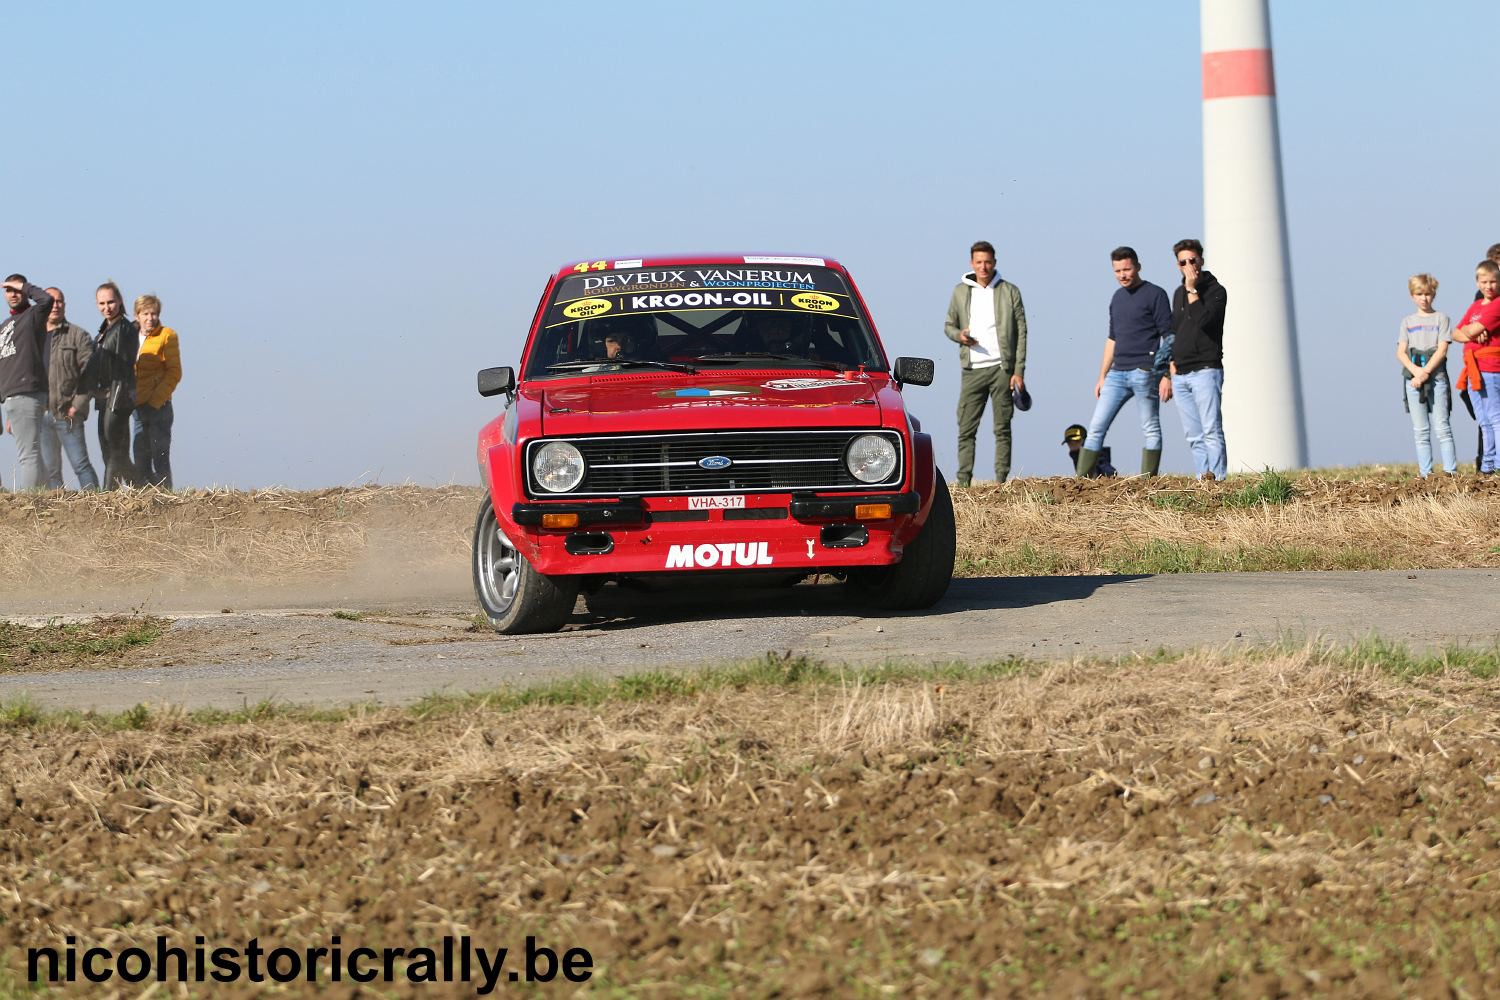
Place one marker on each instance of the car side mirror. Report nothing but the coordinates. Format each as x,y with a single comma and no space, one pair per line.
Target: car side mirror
916,371
494,381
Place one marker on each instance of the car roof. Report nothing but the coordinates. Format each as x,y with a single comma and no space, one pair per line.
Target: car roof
739,259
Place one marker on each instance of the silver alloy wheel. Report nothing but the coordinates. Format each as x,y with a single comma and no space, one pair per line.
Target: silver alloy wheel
499,567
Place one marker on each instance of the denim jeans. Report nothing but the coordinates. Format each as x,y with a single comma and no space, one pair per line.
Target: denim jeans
1199,397
1118,387
23,413
62,435
153,441
1424,423
1487,409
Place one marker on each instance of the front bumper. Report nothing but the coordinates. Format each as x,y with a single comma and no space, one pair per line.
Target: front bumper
806,506
793,532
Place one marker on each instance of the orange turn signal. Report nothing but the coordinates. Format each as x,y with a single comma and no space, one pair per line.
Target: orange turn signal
872,511
559,520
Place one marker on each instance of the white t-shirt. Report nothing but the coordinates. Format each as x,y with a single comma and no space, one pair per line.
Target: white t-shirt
986,353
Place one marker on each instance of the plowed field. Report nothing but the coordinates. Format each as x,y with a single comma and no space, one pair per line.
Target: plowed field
1266,827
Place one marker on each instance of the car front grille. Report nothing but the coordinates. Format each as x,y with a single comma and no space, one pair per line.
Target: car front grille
759,462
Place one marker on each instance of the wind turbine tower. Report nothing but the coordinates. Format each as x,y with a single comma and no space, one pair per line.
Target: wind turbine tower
1244,217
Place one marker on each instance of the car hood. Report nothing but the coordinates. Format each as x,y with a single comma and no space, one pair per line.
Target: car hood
735,400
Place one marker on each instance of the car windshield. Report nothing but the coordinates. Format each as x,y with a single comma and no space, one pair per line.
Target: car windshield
765,315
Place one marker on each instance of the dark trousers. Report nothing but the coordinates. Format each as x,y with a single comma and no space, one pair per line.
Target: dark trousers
978,386
153,442
114,446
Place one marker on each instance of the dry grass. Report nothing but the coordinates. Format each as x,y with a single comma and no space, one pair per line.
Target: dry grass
385,542
140,539
1032,527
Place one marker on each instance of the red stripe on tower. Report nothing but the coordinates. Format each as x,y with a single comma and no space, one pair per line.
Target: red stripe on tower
1238,73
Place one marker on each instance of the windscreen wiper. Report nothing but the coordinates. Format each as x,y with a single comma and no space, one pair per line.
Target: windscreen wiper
832,366
621,363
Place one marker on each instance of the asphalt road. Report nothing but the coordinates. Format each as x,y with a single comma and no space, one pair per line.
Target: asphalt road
398,653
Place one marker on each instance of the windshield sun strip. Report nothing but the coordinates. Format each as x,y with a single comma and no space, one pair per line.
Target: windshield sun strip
566,294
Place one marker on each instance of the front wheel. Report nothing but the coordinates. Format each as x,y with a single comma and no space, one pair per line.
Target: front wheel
514,596
922,576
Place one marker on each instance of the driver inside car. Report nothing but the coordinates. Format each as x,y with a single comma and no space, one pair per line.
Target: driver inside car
617,345
625,338
787,334
769,332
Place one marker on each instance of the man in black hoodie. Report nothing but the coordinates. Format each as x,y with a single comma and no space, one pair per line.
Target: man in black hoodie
23,374
1198,360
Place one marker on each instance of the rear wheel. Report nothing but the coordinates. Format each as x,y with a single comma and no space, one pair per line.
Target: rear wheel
922,576
514,596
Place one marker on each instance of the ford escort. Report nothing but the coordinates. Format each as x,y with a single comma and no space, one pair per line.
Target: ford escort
706,414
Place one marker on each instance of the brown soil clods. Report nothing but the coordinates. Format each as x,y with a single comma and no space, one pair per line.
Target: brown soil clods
1196,827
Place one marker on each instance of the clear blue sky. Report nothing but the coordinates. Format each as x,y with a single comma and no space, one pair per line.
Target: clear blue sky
348,208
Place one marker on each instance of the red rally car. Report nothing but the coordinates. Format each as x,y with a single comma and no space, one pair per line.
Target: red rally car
705,414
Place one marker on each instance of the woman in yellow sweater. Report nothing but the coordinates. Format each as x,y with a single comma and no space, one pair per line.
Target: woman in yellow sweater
158,369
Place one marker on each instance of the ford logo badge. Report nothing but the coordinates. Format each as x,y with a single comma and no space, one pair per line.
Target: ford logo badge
714,462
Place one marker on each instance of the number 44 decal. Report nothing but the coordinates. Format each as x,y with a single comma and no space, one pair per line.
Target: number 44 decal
598,265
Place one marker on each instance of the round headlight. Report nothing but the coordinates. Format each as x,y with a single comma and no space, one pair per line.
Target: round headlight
557,466
870,458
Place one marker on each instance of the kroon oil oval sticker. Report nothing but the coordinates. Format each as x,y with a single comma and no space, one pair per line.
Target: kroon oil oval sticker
815,301
587,308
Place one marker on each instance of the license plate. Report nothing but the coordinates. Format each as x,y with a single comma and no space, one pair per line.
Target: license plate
715,503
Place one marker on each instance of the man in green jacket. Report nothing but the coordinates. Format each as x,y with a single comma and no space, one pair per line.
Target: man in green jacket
988,322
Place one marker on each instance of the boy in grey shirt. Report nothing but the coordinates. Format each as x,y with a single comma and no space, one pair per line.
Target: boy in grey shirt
1422,349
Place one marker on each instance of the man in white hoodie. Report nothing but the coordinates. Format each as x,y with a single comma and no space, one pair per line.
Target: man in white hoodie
987,320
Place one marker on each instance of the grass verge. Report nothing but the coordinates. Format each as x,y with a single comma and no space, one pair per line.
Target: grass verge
57,645
774,671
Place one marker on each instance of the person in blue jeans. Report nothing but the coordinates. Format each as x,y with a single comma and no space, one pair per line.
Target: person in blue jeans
1134,363
1422,348
1197,366
68,350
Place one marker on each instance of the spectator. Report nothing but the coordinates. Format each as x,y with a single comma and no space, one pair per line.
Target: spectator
990,330
1422,349
1074,437
1134,364
1492,255
112,374
68,350
23,374
1477,332
158,369
1197,364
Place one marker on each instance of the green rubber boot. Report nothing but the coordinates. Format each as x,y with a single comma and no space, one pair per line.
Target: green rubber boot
1150,461
1088,462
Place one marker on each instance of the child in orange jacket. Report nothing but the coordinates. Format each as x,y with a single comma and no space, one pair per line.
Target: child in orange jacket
158,369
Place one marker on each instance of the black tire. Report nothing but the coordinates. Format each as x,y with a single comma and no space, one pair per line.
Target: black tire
515,597
922,576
